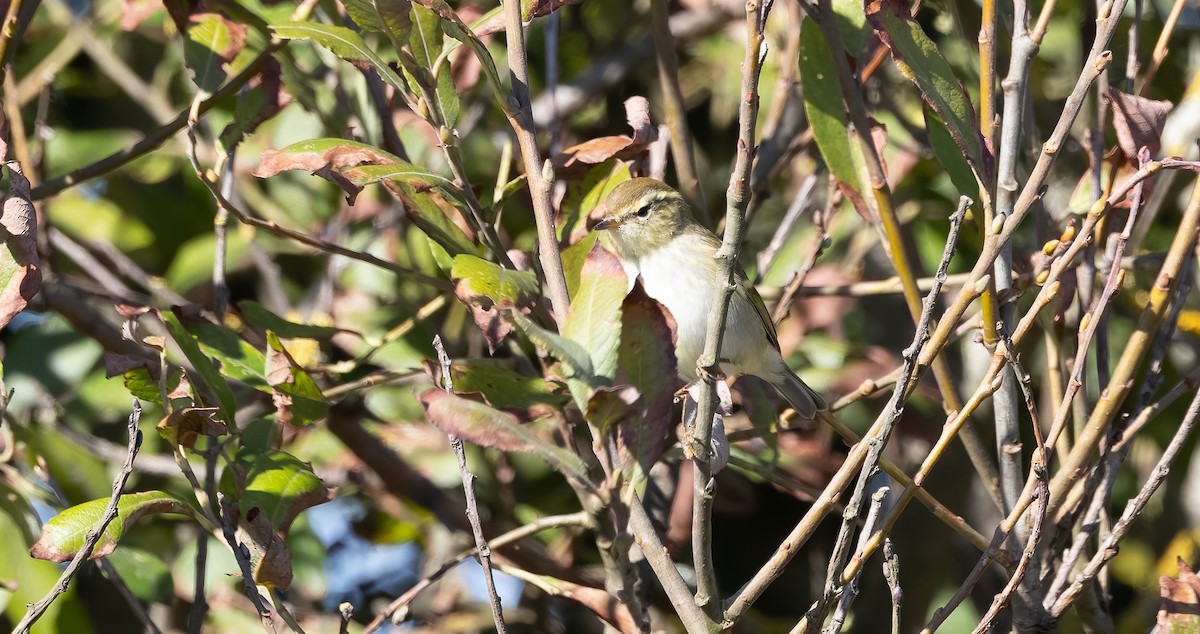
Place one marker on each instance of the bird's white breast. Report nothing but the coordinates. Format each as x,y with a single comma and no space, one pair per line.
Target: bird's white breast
683,278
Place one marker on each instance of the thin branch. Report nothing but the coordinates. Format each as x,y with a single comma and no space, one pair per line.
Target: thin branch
891,574
541,176
482,548
737,198
676,589
1072,466
850,592
92,537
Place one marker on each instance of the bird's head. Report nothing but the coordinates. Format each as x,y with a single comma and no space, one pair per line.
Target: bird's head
643,215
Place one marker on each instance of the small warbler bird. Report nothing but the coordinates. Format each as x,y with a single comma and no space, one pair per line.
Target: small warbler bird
656,237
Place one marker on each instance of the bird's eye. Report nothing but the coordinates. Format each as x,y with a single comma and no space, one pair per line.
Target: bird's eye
643,212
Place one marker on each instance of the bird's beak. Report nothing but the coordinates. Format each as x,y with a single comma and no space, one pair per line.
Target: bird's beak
606,224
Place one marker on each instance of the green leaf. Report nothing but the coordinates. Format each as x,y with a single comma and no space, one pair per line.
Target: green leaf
823,102
426,42
204,366
487,289
852,26
64,534
390,17
342,42
574,358
298,399
488,427
457,29
949,155
146,574
505,388
573,258
212,42
278,484
258,316
478,279
594,319
428,216
919,60
144,387
239,360
402,172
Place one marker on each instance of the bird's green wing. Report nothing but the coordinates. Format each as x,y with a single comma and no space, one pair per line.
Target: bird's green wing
747,287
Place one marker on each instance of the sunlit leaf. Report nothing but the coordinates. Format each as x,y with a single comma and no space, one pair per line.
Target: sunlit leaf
919,59
278,484
505,388
382,16
258,316
574,357
213,41
426,41
297,398
64,534
594,319
342,42
488,289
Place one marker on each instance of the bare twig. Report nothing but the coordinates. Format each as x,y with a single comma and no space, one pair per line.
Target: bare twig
906,267
483,550
92,537
676,589
891,574
850,592
242,555
541,176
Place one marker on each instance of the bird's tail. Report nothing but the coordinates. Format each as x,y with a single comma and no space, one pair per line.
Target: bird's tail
803,398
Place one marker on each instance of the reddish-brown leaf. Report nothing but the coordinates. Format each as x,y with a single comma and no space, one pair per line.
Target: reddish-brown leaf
599,150
184,426
1180,611
1138,122
21,268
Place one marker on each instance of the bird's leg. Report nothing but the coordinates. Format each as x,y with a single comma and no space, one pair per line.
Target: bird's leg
710,371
